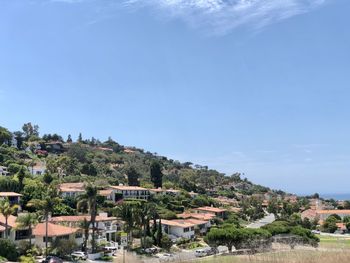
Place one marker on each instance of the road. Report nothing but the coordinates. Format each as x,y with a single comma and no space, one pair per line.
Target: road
262,222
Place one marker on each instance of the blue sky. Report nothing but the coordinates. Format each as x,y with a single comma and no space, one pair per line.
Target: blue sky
258,87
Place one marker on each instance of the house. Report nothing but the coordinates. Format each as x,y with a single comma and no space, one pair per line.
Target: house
54,147
106,193
184,228
3,171
37,169
128,192
199,216
160,191
14,233
14,198
341,228
324,214
71,189
107,227
218,212
56,232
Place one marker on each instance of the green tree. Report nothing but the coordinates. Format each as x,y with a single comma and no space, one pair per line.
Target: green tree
69,139
89,200
8,250
156,174
133,176
27,221
6,209
85,226
49,199
5,135
30,130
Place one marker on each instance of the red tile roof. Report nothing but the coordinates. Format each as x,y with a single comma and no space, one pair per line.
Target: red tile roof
343,212
53,230
211,209
79,218
11,220
200,216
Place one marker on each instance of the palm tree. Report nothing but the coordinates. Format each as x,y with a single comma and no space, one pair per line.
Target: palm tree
46,205
89,200
85,225
28,221
130,212
7,209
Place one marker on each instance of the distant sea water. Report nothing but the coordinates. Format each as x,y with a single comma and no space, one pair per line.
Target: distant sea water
336,196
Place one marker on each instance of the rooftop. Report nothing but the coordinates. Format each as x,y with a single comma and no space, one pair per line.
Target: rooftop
183,222
79,218
211,209
11,220
126,187
53,230
333,212
201,216
9,194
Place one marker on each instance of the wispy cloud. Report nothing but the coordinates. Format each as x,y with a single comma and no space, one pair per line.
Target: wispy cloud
222,16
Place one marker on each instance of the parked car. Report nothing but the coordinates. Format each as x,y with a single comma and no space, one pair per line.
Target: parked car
79,255
151,250
207,251
316,232
52,259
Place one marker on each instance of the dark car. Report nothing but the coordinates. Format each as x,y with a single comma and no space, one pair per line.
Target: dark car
52,259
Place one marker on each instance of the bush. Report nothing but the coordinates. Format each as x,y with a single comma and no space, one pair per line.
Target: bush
64,248
8,249
166,242
106,258
147,242
27,259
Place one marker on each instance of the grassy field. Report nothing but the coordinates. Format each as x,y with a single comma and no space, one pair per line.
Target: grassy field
334,242
331,249
295,256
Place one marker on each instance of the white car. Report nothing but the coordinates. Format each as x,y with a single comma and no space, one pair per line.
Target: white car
79,255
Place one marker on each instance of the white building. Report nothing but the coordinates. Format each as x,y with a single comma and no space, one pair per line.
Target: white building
3,171
71,189
185,228
128,192
14,233
106,226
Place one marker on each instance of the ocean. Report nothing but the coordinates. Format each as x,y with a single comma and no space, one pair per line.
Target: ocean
336,196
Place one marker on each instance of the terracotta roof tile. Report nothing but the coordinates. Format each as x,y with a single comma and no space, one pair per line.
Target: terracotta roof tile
53,230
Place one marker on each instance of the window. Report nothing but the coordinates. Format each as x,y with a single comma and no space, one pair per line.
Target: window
49,239
186,229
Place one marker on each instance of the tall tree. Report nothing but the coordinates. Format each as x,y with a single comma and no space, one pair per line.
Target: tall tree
69,139
46,205
27,221
6,209
156,174
85,226
5,135
133,176
30,130
80,137
89,200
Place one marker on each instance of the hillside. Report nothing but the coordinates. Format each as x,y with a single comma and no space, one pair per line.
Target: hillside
109,163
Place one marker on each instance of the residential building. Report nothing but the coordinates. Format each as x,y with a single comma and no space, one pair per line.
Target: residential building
185,228
106,226
71,189
3,171
14,233
55,232
161,191
324,214
128,192
218,212
14,198
199,216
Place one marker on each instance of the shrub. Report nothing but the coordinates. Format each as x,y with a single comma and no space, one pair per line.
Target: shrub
8,250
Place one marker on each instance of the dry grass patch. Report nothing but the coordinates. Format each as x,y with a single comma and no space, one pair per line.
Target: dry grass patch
295,256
